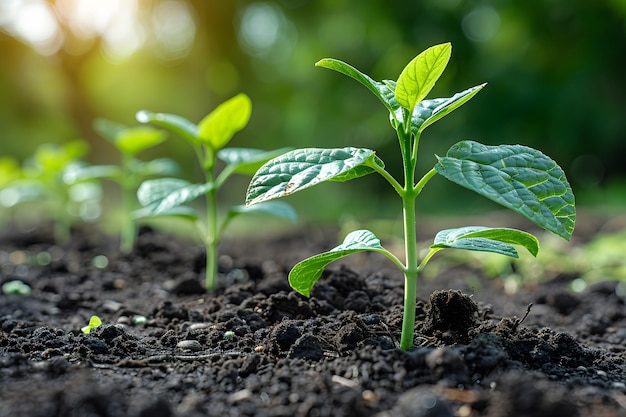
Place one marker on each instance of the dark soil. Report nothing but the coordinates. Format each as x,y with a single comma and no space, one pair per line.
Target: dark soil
256,348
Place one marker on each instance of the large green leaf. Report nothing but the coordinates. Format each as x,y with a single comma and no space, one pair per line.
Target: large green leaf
485,239
164,194
303,168
173,122
421,74
428,112
518,177
306,273
219,126
380,89
247,161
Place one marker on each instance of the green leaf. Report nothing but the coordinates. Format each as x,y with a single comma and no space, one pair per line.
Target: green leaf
136,139
485,239
77,173
518,177
303,168
421,74
380,89
175,123
273,208
428,112
163,194
159,166
94,322
181,212
306,273
246,160
108,129
219,126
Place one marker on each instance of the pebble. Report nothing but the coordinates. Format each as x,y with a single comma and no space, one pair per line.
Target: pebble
192,345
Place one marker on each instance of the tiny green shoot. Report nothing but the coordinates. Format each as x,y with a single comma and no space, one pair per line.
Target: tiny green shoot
167,196
520,178
94,322
16,287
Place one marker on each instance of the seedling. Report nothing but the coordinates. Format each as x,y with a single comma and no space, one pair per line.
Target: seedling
518,177
129,141
94,322
43,177
166,196
16,287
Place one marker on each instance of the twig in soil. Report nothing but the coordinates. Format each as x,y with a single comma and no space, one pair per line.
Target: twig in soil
519,321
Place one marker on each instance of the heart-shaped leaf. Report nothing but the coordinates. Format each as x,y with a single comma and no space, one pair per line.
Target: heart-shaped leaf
303,168
485,239
173,122
421,74
306,273
518,177
219,126
164,194
380,89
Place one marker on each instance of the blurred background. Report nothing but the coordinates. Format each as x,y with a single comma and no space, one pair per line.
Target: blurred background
554,68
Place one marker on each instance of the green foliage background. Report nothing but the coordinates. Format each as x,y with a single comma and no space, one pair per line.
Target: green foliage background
554,68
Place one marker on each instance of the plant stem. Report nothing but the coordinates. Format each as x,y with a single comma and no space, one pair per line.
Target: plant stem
129,228
211,237
410,272
409,195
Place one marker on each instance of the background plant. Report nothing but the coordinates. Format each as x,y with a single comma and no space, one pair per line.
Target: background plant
131,171
167,196
518,177
46,178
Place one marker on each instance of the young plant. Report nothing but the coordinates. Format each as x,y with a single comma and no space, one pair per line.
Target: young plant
166,196
44,178
129,141
94,323
517,177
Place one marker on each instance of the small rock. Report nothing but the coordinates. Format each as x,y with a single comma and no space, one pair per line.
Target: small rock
192,345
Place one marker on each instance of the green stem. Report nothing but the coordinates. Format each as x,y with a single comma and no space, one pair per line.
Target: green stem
411,271
211,239
128,225
422,182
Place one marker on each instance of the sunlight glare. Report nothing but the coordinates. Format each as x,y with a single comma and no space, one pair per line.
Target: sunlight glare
34,23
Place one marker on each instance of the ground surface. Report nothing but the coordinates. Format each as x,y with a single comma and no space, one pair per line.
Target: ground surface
256,348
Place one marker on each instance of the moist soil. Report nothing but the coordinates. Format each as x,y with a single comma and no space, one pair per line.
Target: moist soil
254,347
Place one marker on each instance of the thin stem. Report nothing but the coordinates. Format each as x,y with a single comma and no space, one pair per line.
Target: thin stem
410,243
128,226
422,265
422,182
390,179
211,238
410,273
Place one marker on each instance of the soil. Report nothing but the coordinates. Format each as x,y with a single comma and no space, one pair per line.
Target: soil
256,348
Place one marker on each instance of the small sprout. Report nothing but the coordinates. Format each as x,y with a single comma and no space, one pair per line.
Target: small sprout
168,196
138,319
229,335
15,287
94,321
518,177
